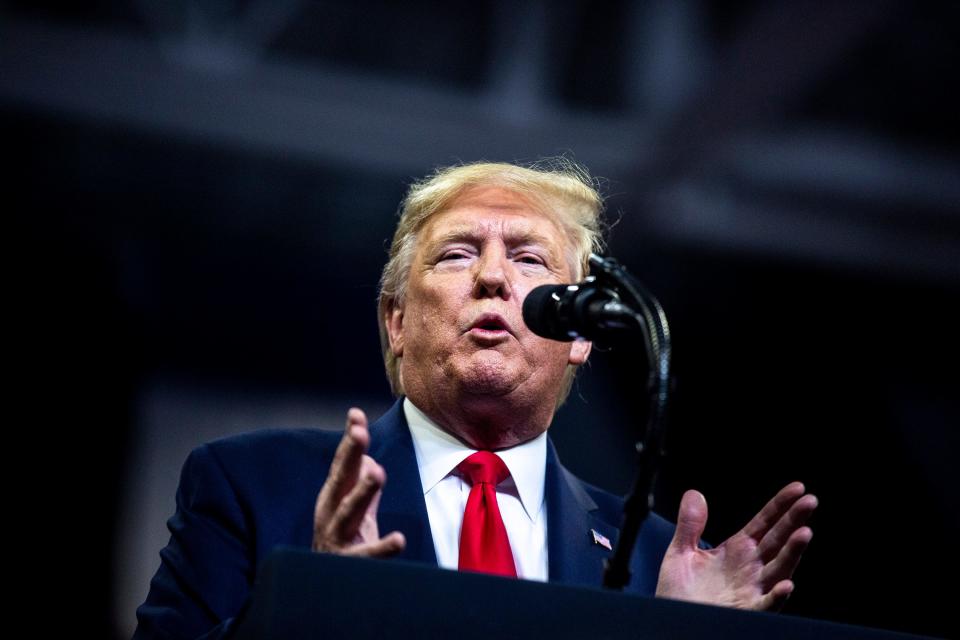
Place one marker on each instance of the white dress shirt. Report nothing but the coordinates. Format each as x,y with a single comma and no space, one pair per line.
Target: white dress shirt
520,497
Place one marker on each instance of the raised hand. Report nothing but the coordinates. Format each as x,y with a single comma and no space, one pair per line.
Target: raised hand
345,517
750,570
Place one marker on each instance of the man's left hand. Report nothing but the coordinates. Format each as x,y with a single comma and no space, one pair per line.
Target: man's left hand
753,568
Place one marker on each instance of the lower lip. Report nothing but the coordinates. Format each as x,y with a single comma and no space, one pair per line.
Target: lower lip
480,332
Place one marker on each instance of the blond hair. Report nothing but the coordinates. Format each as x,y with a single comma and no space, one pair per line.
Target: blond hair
556,185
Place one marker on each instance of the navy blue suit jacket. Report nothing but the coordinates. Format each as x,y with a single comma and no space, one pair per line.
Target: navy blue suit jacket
242,496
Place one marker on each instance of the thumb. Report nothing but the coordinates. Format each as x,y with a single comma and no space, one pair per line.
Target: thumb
691,520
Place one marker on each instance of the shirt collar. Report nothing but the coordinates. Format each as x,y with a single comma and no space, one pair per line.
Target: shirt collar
439,453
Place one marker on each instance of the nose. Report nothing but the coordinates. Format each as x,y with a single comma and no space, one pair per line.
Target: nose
492,278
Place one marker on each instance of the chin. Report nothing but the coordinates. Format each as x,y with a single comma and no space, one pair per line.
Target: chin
488,379
486,385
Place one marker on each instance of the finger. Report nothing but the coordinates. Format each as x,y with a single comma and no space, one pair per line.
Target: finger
345,467
691,520
389,545
783,566
774,510
776,597
796,517
350,513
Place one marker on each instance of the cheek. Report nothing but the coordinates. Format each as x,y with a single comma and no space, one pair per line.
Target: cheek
443,302
548,354
433,318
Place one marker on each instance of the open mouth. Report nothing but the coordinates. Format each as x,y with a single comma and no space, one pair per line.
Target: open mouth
491,324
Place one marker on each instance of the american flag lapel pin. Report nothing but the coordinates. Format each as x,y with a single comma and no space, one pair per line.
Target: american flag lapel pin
600,539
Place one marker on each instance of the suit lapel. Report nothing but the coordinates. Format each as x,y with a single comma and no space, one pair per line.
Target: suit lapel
574,556
402,507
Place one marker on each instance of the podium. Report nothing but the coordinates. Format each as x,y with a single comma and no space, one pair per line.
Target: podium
300,594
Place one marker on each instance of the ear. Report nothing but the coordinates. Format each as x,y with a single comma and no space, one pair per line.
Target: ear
579,352
393,321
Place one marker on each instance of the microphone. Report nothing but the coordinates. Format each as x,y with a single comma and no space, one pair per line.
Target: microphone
613,299
585,310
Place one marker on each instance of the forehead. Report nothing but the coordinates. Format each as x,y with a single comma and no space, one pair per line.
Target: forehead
495,210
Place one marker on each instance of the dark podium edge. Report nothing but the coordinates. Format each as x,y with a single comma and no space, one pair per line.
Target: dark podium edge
300,594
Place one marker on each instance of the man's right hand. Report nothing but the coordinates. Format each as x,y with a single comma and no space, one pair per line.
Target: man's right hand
345,518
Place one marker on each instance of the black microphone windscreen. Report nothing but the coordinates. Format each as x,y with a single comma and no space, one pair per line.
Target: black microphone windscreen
540,312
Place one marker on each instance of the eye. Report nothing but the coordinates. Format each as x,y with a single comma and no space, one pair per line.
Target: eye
455,254
528,258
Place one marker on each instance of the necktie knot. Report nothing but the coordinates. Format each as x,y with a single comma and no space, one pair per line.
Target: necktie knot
484,467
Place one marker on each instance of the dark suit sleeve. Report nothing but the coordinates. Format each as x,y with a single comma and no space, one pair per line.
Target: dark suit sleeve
207,569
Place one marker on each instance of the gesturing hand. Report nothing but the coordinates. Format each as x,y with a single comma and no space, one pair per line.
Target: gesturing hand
752,569
345,517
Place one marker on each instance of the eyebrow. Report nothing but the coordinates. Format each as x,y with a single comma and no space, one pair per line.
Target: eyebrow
513,238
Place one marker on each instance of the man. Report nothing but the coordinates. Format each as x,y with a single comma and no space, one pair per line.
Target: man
477,390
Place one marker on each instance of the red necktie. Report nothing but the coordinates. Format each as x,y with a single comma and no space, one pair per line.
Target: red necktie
484,545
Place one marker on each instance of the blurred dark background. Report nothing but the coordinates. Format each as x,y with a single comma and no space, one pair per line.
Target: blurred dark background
202,193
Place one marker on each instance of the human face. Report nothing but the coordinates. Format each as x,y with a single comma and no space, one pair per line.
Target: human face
460,330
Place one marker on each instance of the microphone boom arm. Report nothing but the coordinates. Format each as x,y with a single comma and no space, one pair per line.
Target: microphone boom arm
651,321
